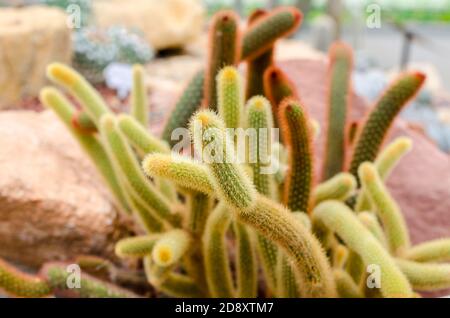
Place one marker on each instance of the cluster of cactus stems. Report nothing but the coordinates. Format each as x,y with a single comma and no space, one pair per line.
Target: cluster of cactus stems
225,228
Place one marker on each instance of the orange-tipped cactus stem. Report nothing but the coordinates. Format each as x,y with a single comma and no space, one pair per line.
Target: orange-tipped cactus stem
277,87
83,123
296,131
18,284
257,66
339,74
224,48
380,119
263,34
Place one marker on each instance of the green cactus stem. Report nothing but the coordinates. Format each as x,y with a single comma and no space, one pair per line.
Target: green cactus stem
385,163
230,99
58,277
89,98
189,101
295,128
229,179
135,181
340,187
140,137
218,273
174,284
224,38
337,217
277,87
393,222
432,251
259,117
145,216
136,247
339,74
57,102
380,119
83,123
345,285
266,217
257,66
265,31
287,286
370,221
18,284
246,272
426,277
139,103
181,170
171,247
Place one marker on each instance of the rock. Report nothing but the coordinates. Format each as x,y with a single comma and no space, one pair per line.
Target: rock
165,24
53,205
30,38
421,182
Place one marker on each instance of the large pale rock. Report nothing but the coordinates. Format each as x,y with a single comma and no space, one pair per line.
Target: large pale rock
53,204
30,38
165,24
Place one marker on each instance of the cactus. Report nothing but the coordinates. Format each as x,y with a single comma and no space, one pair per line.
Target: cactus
339,187
269,219
432,251
294,123
18,284
194,213
389,212
339,72
138,246
265,31
379,120
230,99
170,247
338,218
277,87
217,267
128,168
258,65
139,102
224,37
426,277
57,276
345,285
385,163
189,101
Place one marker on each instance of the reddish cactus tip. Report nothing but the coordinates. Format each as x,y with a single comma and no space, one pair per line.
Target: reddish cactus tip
421,76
